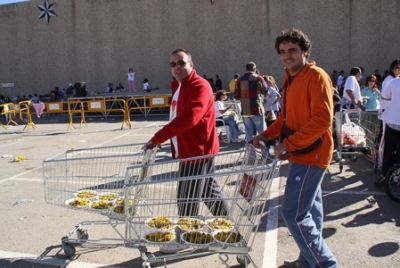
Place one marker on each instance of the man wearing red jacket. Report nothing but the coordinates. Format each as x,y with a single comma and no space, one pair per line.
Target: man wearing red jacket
192,133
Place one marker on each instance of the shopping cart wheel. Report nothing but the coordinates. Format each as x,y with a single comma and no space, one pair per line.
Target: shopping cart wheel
242,260
353,156
69,249
392,183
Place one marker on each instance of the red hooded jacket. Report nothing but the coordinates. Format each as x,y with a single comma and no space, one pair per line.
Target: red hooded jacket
194,124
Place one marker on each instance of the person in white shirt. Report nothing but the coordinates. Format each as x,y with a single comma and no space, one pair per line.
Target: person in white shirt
271,100
390,104
352,92
146,86
391,153
221,113
340,79
394,73
131,80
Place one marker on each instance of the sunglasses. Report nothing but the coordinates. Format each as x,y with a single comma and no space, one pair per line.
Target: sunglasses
180,63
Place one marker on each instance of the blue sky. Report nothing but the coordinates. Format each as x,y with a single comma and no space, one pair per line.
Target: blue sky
4,2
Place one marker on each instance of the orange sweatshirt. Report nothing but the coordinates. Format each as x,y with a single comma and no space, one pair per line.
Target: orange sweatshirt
309,113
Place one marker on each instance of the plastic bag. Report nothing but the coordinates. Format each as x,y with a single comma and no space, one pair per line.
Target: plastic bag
353,134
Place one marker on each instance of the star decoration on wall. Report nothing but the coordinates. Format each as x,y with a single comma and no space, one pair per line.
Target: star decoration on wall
47,11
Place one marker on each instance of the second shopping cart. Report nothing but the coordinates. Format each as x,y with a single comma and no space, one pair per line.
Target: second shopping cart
357,132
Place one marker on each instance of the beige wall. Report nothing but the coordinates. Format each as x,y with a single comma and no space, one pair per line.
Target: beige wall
96,41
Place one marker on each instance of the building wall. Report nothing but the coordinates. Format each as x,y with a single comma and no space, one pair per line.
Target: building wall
97,41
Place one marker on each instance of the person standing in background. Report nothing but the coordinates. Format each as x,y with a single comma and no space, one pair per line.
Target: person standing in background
271,100
394,74
391,153
218,82
131,80
340,82
371,93
334,77
250,89
352,91
232,86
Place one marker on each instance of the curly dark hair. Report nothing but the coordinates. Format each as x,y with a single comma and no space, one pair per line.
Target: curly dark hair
295,36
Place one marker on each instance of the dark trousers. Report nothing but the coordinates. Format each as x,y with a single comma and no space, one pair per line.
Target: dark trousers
190,192
391,153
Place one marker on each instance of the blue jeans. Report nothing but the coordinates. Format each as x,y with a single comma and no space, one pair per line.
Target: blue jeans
302,211
252,124
233,127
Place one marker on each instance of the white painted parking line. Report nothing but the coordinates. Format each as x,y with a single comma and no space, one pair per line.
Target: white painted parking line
340,191
271,234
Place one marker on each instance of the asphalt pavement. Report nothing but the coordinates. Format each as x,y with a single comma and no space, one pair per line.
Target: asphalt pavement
361,222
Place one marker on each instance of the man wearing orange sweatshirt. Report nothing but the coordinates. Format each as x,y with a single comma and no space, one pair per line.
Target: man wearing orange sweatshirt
304,127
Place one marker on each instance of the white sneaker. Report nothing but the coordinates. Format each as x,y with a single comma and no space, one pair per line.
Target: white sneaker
237,140
172,248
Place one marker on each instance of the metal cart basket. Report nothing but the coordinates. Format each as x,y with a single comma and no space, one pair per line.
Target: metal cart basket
211,204
357,132
91,180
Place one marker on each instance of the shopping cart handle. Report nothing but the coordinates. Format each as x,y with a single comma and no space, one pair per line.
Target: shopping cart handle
151,145
265,143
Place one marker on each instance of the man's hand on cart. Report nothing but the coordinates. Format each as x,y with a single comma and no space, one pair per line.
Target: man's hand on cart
151,145
281,152
259,141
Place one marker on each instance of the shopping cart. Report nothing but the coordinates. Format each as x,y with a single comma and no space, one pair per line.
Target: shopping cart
234,186
91,180
357,132
215,209
372,124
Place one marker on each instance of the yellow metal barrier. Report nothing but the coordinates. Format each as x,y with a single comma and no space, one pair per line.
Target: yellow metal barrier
54,107
25,108
136,104
158,102
118,105
7,111
76,107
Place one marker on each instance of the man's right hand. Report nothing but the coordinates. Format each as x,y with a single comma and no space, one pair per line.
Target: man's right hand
281,152
151,145
257,139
